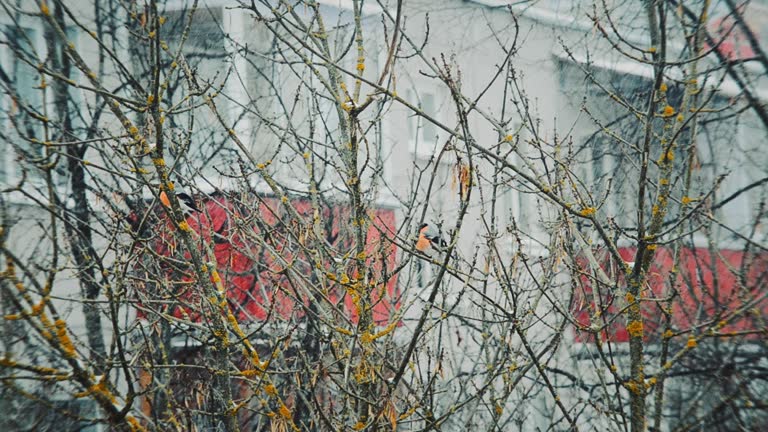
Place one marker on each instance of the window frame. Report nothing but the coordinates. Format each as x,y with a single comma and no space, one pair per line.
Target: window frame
10,169
231,23
416,123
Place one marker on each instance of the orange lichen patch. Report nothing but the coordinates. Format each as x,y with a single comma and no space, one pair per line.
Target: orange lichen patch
250,373
284,411
215,278
233,411
691,342
270,390
100,388
632,387
343,331
37,308
235,325
366,338
635,328
40,370
364,372
64,340
668,111
255,360
134,424
354,294
589,211
722,324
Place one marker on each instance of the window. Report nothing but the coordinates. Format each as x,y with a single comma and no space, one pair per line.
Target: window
74,94
205,48
66,415
423,135
72,127
205,51
608,173
21,99
606,156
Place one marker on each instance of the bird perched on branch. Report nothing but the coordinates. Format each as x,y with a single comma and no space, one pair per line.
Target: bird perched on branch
429,240
185,201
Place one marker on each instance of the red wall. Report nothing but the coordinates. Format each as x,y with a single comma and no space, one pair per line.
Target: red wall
709,287
257,287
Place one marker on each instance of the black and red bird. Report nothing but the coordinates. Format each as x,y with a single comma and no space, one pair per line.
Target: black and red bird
430,240
186,202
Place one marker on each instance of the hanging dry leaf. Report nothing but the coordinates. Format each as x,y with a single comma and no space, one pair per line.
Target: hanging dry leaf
465,180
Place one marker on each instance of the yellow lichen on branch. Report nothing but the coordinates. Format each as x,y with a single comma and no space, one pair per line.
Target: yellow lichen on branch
632,387
215,277
343,331
285,412
63,338
270,389
134,424
691,343
372,337
635,329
